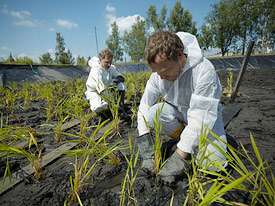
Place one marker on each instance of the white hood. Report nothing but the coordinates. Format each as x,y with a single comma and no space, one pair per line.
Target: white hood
192,48
94,62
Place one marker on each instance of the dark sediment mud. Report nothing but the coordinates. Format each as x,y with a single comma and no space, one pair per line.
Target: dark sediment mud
257,117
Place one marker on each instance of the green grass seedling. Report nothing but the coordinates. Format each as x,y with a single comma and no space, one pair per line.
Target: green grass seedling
114,105
52,111
60,121
9,136
83,169
112,98
228,90
27,93
134,110
34,158
10,100
130,176
76,108
207,186
159,161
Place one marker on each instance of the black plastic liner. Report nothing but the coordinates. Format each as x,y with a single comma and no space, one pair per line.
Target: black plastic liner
44,73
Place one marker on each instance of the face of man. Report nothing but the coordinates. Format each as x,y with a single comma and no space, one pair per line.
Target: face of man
169,70
106,63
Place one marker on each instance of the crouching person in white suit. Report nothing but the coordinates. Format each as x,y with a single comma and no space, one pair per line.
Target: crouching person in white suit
102,76
191,91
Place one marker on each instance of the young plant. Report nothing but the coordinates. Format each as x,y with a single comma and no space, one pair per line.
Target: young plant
114,107
130,176
111,96
159,157
207,187
9,137
52,110
134,110
27,94
83,166
60,121
76,108
34,158
10,100
228,90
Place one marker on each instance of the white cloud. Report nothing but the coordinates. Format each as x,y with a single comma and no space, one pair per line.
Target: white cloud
27,23
110,8
52,29
34,58
20,14
23,17
50,50
123,23
5,48
5,10
66,23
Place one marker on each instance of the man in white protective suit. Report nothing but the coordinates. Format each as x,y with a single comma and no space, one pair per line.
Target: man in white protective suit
102,76
191,90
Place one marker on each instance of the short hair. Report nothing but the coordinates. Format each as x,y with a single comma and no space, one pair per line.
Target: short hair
105,53
163,42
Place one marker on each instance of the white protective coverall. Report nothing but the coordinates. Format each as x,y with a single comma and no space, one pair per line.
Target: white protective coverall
100,79
192,99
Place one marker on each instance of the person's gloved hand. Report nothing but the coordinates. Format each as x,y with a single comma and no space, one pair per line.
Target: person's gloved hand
145,145
175,167
117,80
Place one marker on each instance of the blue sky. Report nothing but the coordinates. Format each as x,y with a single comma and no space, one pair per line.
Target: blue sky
28,27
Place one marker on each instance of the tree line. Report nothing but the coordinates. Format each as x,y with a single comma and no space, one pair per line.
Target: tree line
229,26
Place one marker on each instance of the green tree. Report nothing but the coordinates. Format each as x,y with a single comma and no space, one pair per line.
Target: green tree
135,40
69,59
10,59
114,43
156,21
205,38
24,60
61,56
224,25
245,20
180,20
265,23
46,58
80,61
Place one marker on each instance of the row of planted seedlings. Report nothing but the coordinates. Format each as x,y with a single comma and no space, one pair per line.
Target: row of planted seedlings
246,173
204,188
62,102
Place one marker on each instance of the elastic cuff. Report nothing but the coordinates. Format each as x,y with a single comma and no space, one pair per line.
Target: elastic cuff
176,134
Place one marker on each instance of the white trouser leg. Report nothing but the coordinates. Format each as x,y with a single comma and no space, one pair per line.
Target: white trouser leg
169,118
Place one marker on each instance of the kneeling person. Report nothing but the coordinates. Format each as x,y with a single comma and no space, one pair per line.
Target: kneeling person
102,76
191,91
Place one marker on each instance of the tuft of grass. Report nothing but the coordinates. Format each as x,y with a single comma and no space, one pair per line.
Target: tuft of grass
207,187
83,167
127,191
227,92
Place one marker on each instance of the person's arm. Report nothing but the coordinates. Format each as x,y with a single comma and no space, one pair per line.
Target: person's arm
149,98
203,109
116,75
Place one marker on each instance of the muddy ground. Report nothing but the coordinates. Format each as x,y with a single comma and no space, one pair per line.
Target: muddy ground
257,115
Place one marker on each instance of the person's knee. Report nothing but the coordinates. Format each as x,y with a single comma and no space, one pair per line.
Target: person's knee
100,108
176,134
